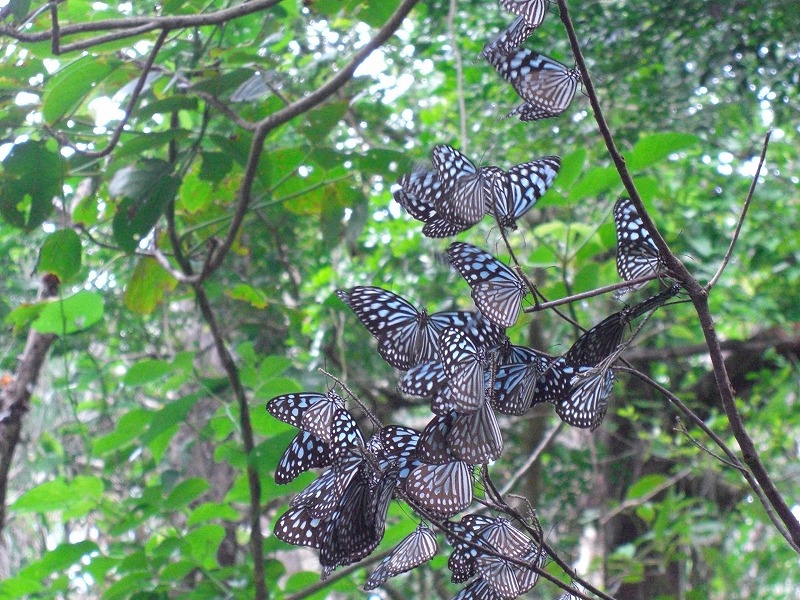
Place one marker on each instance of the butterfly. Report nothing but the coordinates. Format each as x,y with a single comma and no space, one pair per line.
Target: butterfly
511,38
462,559
292,409
472,189
479,589
441,490
406,337
306,451
515,382
496,290
357,526
415,549
637,254
419,193
522,187
463,363
508,579
546,86
475,438
533,11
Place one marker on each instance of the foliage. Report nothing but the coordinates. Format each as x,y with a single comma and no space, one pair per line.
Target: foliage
132,477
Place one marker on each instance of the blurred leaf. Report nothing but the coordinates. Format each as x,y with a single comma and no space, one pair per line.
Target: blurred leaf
644,486
147,286
61,254
72,83
146,371
657,146
32,176
185,492
70,315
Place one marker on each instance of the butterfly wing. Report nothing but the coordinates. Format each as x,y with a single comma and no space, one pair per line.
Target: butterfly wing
527,183
306,451
637,254
532,11
511,38
496,290
415,549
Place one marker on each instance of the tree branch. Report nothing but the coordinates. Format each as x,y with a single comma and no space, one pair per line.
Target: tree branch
14,401
743,214
697,293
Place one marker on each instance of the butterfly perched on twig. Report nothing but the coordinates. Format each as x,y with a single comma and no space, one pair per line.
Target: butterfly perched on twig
496,289
414,550
546,86
637,253
457,194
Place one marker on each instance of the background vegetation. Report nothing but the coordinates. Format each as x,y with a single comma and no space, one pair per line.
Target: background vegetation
184,184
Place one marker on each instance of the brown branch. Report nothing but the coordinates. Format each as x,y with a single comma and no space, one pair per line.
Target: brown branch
590,293
137,90
15,397
677,270
133,26
743,214
254,483
290,112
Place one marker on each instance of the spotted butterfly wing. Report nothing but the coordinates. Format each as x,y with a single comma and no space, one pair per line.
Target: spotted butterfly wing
297,527
508,579
290,408
586,403
637,253
442,490
525,184
527,112
418,193
432,447
405,335
463,364
462,559
511,38
496,290
479,590
415,549
472,188
476,438
506,539
306,451
546,86
533,11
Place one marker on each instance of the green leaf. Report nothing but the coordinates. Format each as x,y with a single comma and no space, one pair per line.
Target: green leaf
72,83
147,189
644,486
211,511
147,286
172,414
24,314
146,371
61,254
321,121
202,544
75,313
59,494
657,146
32,176
217,84
185,492
249,294
595,181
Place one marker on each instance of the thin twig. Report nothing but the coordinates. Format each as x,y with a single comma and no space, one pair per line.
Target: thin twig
590,293
254,483
541,447
680,427
462,106
699,296
375,421
742,216
632,502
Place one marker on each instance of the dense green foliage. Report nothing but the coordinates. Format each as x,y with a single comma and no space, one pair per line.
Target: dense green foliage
131,477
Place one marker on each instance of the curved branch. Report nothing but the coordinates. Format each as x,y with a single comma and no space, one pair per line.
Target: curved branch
698,295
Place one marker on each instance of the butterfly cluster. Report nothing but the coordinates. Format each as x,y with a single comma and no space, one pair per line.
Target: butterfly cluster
462,365
545,85
455,194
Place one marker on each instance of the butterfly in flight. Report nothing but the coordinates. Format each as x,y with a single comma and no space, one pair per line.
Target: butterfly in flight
546,86
496,289
419,193
637,253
